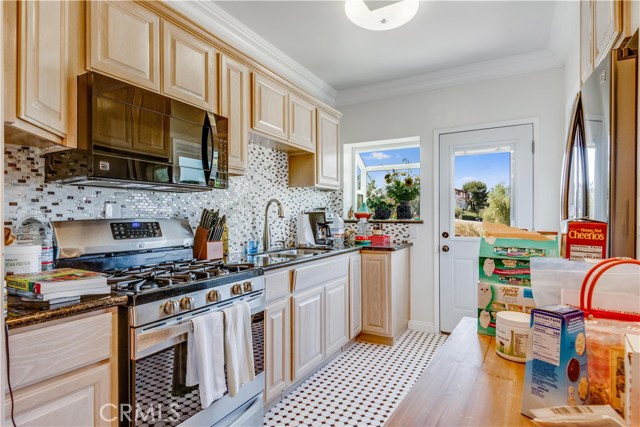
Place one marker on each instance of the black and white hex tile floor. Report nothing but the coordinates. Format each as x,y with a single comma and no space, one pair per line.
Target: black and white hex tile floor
359,388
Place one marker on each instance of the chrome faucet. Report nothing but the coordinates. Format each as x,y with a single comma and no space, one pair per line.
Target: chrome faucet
266,235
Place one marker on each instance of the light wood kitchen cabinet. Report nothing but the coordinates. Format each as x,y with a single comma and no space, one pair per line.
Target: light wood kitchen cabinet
270,107
328,150
124,42
600,27
302,122
336,314
235,88
308,331
385,295
71,400
277,347
40,92
188,68
322,169
355,296
63,372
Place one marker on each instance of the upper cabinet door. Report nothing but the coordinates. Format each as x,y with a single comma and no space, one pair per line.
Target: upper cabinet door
270,107
188,68
124,42
43,64
234,104
606,27
328,151
586,31
302,122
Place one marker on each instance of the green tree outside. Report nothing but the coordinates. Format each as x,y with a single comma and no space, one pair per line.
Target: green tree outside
499,205
477,195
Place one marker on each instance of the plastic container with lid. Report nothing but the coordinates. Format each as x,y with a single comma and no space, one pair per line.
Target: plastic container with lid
20,259
33,231
512,335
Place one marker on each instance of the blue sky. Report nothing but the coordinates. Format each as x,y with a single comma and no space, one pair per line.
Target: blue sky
390,157
386,157
491,169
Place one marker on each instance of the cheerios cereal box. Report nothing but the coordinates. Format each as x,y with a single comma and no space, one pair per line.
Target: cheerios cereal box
556,369
494,298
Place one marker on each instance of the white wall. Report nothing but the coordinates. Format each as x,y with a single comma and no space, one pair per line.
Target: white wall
538,95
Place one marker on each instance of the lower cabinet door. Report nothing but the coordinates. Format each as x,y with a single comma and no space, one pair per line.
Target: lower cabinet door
376,294
277,348
336,314
308,331
79,398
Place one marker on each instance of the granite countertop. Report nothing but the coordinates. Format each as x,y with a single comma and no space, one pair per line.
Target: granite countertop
23,314
269,263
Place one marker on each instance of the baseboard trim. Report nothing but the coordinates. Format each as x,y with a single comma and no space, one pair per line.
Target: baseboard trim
417,325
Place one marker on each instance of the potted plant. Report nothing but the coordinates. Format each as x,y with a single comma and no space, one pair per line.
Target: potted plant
381,206
402,187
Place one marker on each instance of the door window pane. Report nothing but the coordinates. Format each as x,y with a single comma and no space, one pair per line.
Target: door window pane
482,190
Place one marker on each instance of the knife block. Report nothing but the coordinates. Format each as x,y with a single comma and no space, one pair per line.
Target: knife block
204,250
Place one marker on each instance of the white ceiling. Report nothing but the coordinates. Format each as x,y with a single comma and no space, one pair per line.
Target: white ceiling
443,35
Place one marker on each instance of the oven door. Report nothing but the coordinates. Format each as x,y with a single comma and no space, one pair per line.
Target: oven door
158,368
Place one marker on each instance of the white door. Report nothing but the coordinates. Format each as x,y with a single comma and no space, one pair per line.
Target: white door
501,158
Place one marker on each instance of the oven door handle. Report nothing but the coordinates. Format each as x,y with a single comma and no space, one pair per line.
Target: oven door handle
149,339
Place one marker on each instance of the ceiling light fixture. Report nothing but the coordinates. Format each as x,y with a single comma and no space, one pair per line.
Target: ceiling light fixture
380,15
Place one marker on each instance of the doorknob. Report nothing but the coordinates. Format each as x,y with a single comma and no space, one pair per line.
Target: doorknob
445,248
445,234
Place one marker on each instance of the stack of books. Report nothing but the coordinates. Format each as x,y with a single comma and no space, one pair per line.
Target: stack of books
57,286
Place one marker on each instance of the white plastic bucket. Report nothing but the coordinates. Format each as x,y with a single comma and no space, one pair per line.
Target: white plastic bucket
512,335
21,259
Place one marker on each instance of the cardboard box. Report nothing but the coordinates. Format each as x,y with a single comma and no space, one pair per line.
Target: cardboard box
507,248
556,371
584,239
504,271
493,298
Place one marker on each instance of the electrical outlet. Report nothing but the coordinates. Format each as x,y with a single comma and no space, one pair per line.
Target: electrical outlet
112,210
413,231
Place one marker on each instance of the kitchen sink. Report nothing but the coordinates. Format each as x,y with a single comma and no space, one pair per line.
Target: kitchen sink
292,253
299,252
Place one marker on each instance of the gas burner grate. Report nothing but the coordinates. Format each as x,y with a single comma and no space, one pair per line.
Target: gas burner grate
148,277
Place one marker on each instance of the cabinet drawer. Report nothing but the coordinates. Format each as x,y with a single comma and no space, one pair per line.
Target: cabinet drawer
277,285
44,353
320,272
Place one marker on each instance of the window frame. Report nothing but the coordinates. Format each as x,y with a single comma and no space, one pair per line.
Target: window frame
352,156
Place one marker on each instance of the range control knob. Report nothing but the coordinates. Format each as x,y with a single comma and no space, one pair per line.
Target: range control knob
213,296
247,286
170,307
236,289
187,303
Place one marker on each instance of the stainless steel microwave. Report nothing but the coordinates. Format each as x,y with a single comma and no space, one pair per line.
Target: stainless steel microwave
130,137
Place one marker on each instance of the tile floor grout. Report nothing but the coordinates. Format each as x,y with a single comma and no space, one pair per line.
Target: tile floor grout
361,387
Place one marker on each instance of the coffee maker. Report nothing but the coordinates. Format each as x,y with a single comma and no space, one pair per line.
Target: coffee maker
314,228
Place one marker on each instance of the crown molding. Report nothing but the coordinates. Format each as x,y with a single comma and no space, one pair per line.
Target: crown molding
238,35
565,28
487,70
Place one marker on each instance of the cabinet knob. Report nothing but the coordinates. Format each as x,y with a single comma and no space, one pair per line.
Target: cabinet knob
170,307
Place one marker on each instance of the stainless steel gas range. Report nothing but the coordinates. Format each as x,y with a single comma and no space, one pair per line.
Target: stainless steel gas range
150,261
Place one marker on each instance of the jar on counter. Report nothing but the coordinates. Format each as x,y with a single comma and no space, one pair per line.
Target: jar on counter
35,232
512,335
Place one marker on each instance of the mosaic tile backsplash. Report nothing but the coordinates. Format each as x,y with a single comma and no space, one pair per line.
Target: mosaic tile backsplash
27,195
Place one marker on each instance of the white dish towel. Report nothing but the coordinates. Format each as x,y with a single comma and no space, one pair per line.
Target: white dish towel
238,346
205,357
